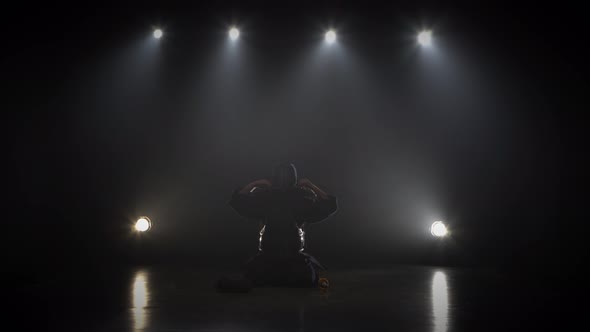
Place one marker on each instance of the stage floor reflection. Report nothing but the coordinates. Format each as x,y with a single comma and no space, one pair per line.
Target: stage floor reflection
404,298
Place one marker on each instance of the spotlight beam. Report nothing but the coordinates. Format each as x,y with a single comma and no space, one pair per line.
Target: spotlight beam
143,224
158,33
438,229
234,33
330,36
425,38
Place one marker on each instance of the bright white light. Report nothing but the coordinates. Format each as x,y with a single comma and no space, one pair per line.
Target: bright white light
438,229
140,294
330,36
425,38
158,33
440,302
234,33
143,224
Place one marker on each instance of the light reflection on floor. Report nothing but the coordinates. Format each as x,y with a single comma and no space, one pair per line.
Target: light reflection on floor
140,296
440,302
401,298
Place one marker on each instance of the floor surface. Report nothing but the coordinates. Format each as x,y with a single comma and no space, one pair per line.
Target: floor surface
403,298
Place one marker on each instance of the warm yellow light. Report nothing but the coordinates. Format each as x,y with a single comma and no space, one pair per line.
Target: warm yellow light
143,224
140,295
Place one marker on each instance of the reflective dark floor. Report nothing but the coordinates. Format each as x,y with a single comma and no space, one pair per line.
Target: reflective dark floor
405,298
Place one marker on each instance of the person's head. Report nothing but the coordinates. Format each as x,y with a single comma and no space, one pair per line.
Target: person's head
284,176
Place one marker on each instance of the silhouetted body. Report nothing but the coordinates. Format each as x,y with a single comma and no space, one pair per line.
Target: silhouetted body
284,206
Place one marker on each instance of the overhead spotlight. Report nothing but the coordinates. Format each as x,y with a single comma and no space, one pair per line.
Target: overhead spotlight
143,224
438,229
234,33
330,36
425,38
158,33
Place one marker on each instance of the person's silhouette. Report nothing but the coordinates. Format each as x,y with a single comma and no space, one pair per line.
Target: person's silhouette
283,205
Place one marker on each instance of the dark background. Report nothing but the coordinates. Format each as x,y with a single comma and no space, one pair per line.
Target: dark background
104,124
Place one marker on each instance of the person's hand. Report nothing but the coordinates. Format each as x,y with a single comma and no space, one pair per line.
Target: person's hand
261,183
309,194
305,183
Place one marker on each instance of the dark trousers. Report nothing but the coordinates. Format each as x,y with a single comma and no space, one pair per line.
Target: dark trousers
296,270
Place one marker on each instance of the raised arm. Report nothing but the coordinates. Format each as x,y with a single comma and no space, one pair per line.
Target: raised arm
322,207
248,201
252,186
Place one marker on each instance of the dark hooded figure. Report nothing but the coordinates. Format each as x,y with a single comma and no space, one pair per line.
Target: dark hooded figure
283,205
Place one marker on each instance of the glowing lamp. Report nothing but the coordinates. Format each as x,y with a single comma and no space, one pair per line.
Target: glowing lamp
425,38
234,33
438,229
330,36
143,224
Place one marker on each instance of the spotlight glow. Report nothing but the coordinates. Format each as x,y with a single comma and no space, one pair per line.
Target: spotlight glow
158,33
425,38
234,33
438,229
143,224
330,36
